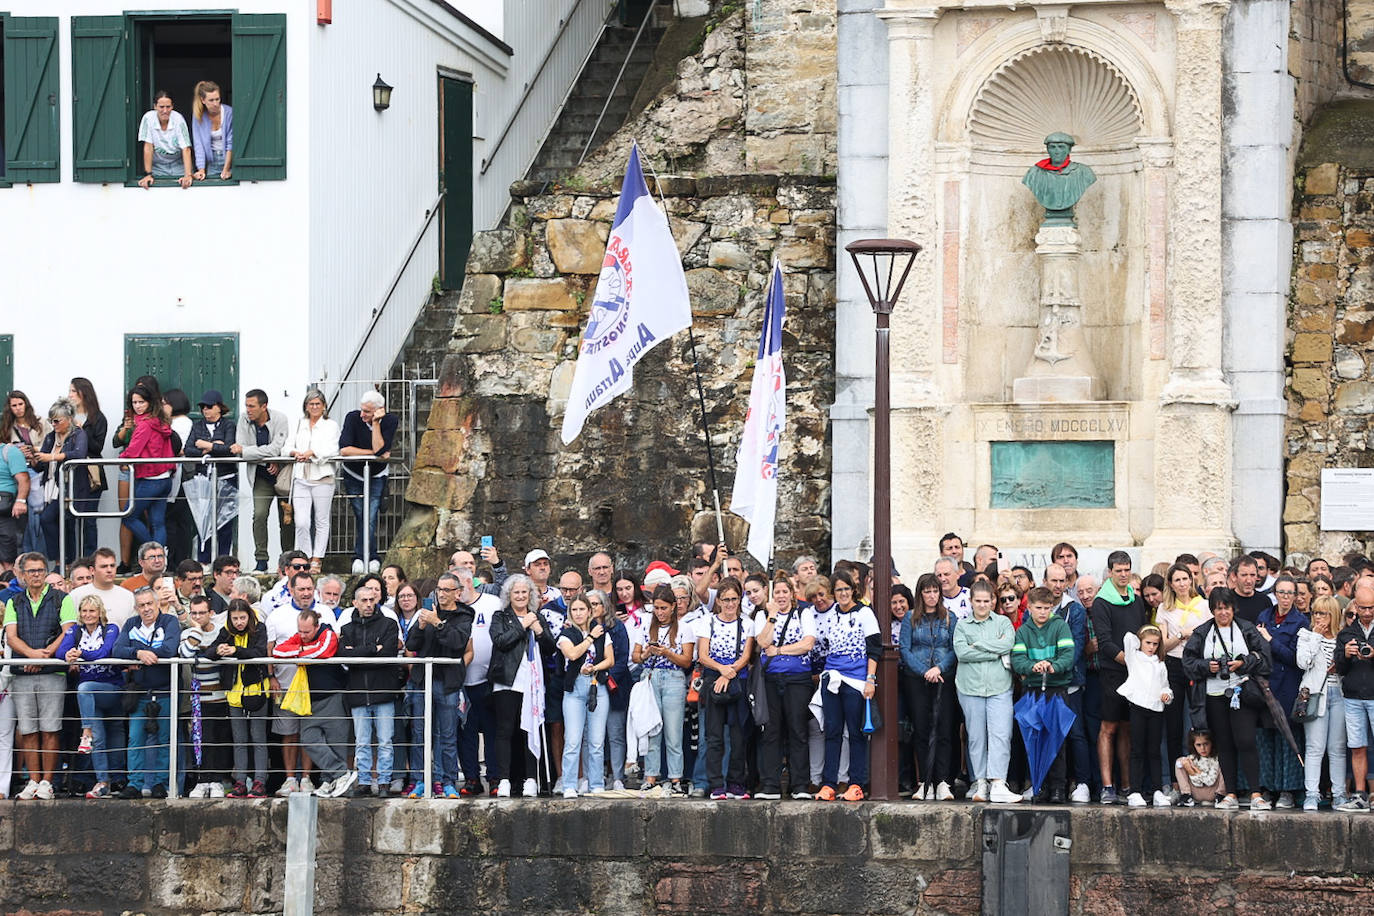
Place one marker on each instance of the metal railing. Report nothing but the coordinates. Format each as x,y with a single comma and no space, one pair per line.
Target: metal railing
126,466
174,693
610,94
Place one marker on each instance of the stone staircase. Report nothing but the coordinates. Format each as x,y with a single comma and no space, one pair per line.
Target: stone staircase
564,145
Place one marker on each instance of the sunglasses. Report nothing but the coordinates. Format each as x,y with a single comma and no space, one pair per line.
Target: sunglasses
1009,599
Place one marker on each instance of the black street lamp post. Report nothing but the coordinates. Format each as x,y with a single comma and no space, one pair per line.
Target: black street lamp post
891,259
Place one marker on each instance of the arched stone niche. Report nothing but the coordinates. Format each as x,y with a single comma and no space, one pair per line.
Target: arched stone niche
1015,85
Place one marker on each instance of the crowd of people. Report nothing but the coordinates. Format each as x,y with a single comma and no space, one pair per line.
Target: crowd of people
1205,681
296,464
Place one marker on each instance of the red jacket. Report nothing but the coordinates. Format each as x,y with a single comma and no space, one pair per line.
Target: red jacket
151,438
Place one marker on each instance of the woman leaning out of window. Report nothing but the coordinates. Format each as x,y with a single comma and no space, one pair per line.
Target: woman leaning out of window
212,130
166,143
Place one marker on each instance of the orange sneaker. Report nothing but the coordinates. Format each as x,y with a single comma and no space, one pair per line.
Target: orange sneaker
853,793
825,794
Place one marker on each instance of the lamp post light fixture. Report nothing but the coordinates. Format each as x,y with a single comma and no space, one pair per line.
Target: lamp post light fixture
891,261
381,94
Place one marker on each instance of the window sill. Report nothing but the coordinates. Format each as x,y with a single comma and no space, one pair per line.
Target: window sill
175,183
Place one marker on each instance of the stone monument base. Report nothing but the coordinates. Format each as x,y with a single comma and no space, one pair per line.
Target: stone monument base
1057,388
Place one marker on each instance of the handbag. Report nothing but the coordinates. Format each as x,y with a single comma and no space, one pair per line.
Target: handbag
758,701
1307,706
734,689
297,697
132,693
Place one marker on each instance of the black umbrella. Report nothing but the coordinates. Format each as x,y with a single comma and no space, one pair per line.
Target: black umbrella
1279,716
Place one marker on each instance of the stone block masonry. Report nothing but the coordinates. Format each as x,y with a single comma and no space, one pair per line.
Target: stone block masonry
629,857
1330,348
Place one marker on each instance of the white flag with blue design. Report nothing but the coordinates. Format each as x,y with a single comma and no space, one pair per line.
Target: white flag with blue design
756,474
640,300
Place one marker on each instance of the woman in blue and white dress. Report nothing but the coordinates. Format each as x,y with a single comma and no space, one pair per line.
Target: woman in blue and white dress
851,647
725,643
786,634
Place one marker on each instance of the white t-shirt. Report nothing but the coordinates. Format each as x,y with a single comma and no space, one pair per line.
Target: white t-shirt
119,602
961,606
686,636
846,641
726,639
800,624
482,608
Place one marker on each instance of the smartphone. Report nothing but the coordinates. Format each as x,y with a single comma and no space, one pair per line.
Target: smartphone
486,540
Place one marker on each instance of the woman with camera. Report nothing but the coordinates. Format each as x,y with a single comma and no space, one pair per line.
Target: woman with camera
1227,653
1355,665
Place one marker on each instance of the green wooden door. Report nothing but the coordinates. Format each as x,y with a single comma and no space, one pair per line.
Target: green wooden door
455,177
191,362
6,363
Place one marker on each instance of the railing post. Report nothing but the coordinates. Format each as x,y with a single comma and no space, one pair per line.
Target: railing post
173,696
214,512
429,729
367,516
61,517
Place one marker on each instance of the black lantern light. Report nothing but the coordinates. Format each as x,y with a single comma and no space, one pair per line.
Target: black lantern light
381,94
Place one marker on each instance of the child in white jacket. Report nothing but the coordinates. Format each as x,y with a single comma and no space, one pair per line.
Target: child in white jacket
1147,690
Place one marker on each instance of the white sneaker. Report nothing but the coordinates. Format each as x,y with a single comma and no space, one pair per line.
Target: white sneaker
306,785
1135,800
999,794
1161,800
325,790
583,786
359,567
1081,795
216,790
920,793
29,791
200,791
979,792
44,791
1028,795
503,789
374,566
570,793
343,784
289,786
943,793
530,789
619,785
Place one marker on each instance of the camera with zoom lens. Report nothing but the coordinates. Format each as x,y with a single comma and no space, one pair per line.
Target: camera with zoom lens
1366,650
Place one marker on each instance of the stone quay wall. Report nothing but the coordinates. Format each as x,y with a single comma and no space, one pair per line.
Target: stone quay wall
741,148
1331,350
618,857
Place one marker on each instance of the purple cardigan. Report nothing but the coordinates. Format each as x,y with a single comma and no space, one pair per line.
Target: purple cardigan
93,672
200,135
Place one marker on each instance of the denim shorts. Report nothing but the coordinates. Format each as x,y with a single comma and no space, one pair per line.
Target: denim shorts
1359,722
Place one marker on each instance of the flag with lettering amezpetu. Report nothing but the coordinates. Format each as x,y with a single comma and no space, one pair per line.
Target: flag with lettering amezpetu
640,300
755,495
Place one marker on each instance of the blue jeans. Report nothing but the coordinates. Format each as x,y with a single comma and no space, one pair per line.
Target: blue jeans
148,752
445,749
353,489
102,711
478,725
581,726
670,690
410,735
988,720
51,534
150,498
1326,736
376,721
841,710
1078,738
615,733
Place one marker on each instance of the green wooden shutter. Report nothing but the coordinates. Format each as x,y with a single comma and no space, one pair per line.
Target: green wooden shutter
259,96
100,109
6,363
209,361
31,86
153,355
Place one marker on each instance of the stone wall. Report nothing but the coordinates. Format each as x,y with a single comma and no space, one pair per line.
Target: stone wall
1330,398
741,147
625,857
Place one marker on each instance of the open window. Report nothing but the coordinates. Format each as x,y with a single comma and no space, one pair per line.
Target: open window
119,62
28,99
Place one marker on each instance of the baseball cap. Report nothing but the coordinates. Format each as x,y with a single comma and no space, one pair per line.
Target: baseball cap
536,555
211,398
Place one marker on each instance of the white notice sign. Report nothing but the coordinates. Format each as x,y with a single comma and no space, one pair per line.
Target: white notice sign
1347,499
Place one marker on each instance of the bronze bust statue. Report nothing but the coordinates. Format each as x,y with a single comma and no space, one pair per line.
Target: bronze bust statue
1058,182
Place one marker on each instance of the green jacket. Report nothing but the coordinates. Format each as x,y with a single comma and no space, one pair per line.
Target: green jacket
981,646
1053,642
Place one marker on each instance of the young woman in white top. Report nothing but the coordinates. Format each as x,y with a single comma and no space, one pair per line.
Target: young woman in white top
1178,614
166,143
1326,733
314,442
1147,690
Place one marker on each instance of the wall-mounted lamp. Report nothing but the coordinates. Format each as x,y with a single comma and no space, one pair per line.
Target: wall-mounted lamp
381,94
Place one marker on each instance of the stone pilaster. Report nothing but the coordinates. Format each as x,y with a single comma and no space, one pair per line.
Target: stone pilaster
1193,437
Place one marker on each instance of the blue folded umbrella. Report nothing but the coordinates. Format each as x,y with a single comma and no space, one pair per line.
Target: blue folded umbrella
1045,722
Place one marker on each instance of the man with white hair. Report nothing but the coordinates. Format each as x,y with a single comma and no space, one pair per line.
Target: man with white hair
955,597
367,431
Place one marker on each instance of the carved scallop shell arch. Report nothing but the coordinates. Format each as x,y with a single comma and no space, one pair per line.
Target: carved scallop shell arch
1059,88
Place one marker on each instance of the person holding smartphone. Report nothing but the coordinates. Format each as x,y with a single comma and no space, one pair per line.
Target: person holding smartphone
368,431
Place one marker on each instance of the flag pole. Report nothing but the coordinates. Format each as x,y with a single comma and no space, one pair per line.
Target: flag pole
696,371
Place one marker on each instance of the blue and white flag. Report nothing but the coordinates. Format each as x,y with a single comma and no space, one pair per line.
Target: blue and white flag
756,474
640,300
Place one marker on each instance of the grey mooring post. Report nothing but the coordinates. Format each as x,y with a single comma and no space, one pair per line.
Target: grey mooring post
302,810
